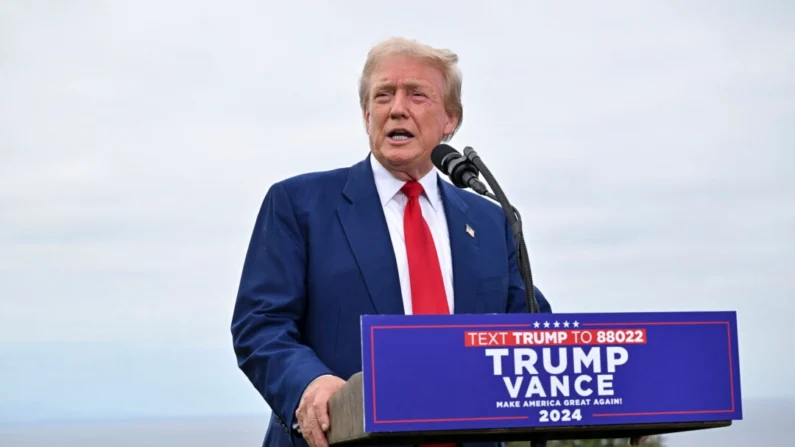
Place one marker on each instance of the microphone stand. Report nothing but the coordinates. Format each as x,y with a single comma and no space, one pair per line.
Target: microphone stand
515,220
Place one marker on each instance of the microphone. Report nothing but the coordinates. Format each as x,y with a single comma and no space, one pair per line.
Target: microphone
461,171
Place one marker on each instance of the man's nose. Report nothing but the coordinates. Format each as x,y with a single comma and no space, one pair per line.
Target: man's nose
399,104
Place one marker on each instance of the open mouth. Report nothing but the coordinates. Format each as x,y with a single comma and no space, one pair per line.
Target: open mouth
400,135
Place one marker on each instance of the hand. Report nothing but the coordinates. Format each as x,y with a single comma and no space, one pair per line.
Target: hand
312,412
638,441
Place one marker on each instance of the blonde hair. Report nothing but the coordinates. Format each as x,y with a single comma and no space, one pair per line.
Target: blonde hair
445,60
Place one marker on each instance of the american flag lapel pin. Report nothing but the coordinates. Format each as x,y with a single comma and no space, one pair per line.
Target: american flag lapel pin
470,231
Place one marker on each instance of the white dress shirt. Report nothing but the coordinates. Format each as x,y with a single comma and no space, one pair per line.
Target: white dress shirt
394,201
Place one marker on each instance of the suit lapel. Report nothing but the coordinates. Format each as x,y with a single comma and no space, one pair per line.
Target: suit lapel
365,228
464,248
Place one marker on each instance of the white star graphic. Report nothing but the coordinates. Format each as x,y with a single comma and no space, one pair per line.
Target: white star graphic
565,324
575,324
557,324
546,324
536,324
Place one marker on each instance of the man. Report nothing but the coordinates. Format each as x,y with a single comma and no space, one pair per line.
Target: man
385,236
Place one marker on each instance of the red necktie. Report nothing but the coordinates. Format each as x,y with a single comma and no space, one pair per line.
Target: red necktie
427,287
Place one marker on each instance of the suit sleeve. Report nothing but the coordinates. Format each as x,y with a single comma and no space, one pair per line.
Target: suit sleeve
269,308
516,287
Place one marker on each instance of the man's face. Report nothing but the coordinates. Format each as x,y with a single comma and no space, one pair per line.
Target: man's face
406,117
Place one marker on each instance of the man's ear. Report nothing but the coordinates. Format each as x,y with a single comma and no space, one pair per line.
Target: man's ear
367,121
449,127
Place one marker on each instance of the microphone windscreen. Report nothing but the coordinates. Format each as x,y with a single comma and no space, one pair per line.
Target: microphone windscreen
439,154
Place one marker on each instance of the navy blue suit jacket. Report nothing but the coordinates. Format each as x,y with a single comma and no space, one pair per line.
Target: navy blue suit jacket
320,257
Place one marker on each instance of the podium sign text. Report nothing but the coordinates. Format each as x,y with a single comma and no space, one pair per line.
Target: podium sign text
453,372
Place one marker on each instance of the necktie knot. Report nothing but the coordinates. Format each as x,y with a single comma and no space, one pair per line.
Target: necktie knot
412,189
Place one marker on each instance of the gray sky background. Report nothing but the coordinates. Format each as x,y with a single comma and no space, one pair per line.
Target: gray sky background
648,145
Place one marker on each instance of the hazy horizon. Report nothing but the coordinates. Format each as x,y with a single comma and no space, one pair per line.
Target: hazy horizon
767,422
755,403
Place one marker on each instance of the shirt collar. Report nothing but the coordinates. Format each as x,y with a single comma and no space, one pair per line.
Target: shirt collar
388,185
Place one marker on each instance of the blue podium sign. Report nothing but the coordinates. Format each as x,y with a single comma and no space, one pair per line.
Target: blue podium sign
453,372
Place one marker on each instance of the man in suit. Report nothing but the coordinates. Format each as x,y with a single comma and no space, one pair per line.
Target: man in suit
385,236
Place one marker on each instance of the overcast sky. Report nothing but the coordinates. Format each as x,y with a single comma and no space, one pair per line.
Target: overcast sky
649,147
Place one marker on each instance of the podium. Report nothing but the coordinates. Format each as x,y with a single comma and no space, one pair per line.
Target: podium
526,377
